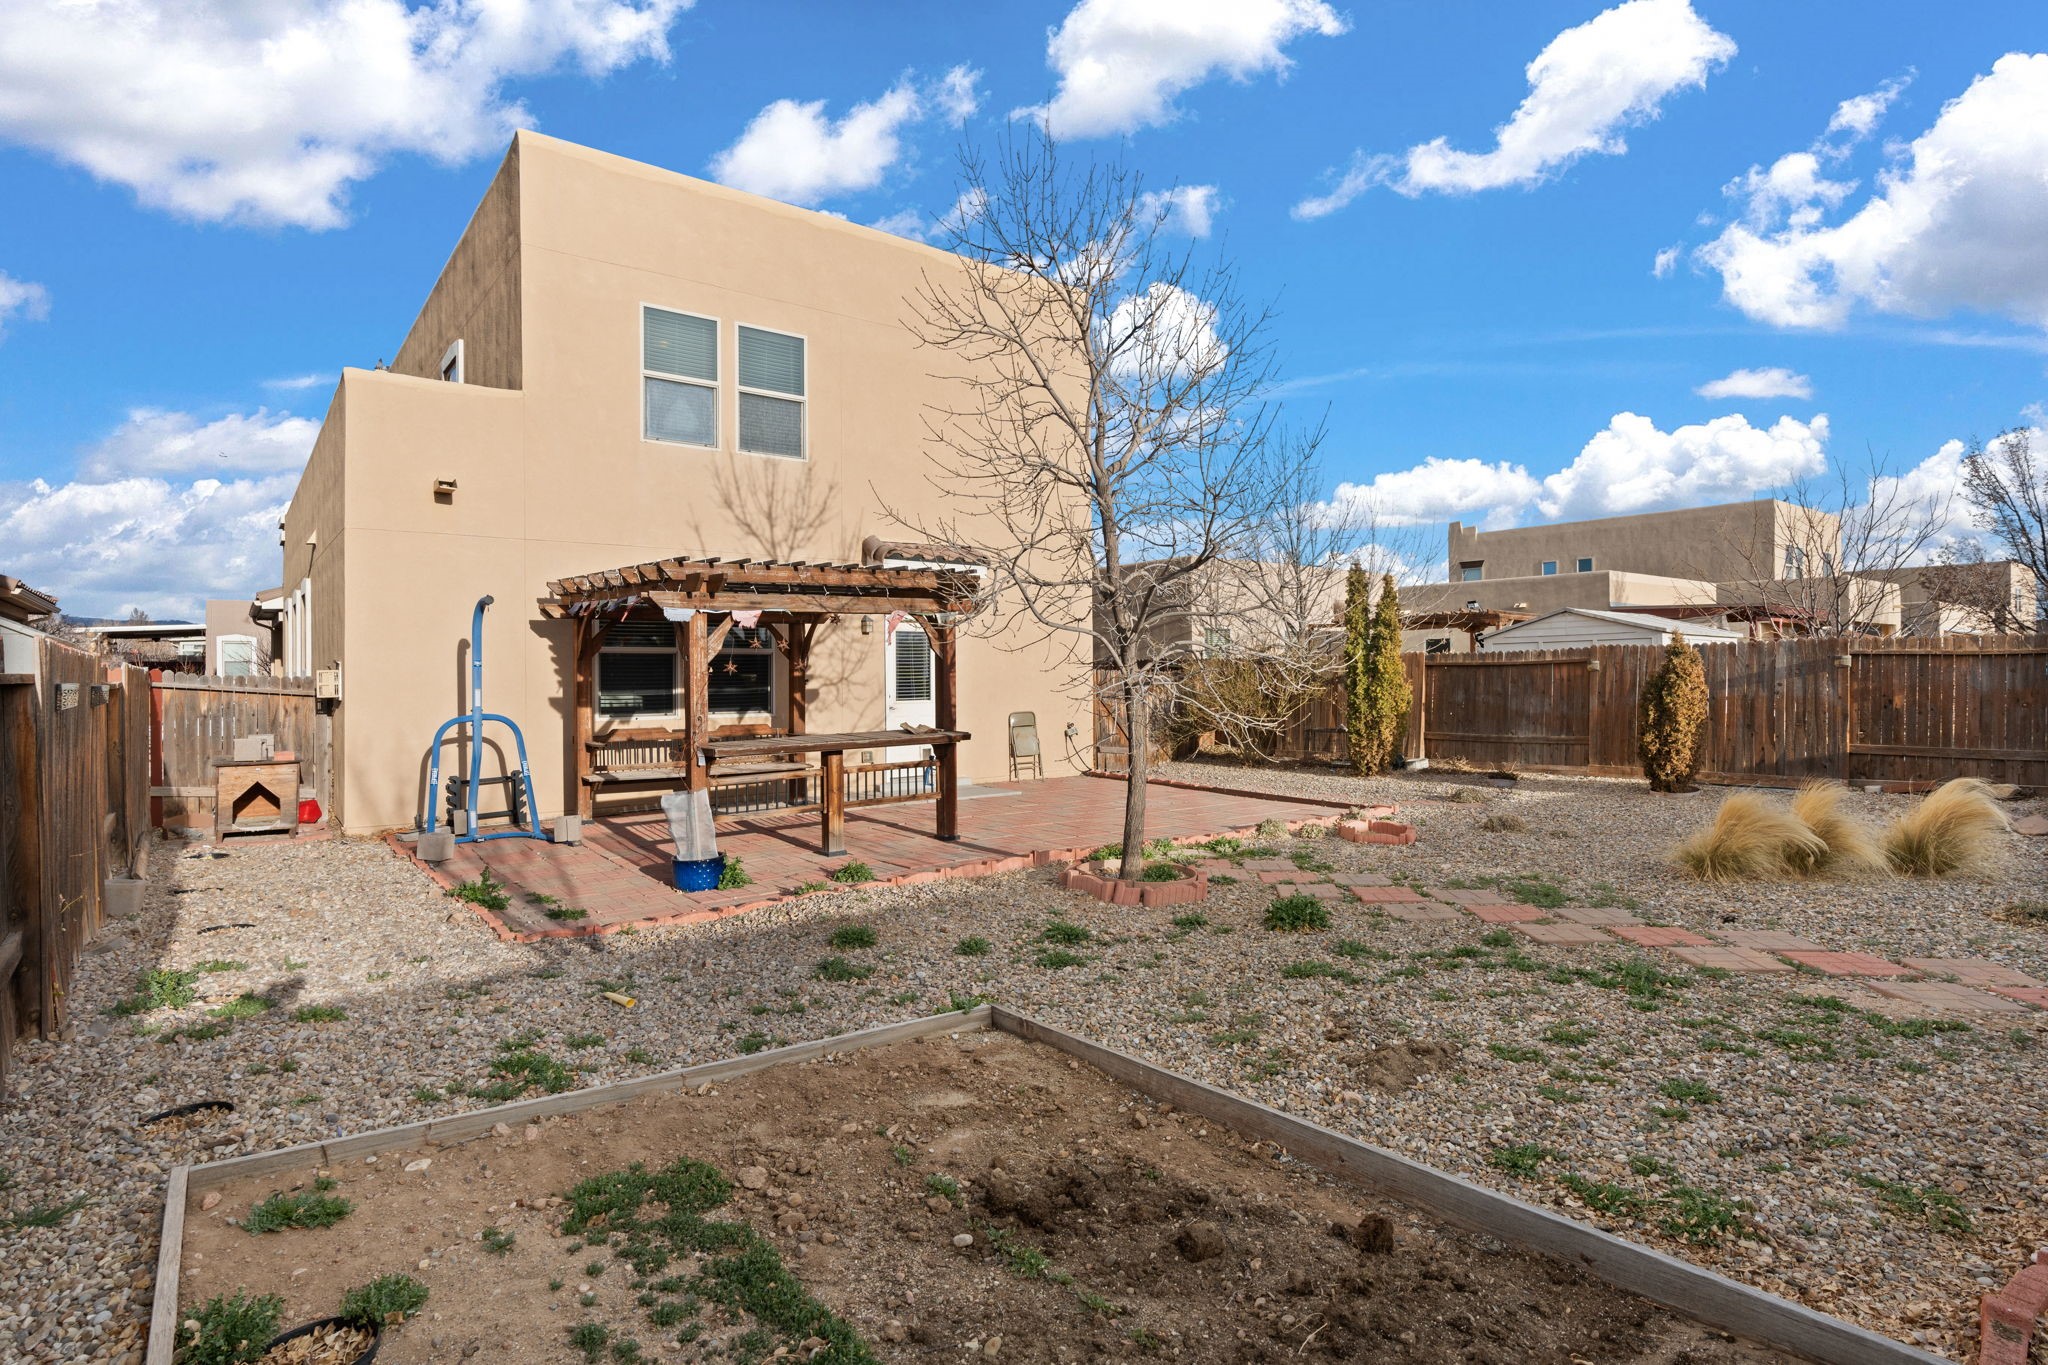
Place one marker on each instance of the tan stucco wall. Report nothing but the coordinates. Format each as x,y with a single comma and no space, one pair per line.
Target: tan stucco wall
476,298
1600,590
230,616
554,479
1727,543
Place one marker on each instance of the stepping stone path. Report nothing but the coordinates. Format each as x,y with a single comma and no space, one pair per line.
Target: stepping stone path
1931,985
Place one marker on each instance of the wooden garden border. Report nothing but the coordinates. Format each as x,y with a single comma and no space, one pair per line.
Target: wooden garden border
1713,1300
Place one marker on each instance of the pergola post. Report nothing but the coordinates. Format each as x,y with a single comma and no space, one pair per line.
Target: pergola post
946,716
693,639
583,646
796,653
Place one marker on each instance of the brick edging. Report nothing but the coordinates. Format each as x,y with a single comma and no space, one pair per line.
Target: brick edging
982,867
2008,1316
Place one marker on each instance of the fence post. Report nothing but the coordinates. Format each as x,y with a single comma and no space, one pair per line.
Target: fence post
1418,706
21,821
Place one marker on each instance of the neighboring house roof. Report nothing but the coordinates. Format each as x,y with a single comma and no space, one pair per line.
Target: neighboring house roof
149,630
20,602
1645,622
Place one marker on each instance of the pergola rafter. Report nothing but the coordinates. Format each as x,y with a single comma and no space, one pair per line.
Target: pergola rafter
801,595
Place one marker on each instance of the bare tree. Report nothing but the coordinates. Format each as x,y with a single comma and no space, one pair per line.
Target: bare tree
1831,567
1111,444
2007,489
1269,618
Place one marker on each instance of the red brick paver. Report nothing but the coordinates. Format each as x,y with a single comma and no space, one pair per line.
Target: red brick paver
1268,865
1562,935
1273,877
1602,916
1946,997
1656,935
1385,895
1419,912
1322,891
1506,914
2037,996
1360,879
1477,895
1846,964
1768,940
1729,959
1972,971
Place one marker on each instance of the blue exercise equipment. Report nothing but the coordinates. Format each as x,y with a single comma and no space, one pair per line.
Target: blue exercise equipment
529,828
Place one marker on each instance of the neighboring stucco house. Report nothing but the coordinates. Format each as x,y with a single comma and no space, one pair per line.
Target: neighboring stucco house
241,636
1768,563
621,364
23,614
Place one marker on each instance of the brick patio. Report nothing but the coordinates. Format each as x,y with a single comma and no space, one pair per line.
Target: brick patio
619,875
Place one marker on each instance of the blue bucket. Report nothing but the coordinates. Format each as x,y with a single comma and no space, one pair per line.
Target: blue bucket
698,874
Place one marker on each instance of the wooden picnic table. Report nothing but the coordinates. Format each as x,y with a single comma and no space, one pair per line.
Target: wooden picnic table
831,750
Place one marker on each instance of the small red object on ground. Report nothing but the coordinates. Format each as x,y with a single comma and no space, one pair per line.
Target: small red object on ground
309,812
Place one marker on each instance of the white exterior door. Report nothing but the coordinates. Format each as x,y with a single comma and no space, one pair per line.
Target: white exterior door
907,676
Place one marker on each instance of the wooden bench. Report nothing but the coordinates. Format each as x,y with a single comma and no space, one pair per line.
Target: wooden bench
653,756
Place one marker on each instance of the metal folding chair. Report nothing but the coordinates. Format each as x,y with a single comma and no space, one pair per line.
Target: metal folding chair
1024,744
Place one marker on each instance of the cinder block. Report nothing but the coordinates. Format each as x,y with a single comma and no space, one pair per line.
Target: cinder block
568,829
123,897
437,847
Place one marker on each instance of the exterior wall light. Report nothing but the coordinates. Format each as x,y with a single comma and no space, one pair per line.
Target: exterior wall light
867,625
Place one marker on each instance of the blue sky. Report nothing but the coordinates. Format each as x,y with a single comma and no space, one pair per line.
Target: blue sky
206,217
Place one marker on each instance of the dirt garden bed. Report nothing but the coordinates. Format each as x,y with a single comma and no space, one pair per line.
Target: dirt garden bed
975,1194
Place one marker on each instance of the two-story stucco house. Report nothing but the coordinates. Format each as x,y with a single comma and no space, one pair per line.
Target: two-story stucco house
620,364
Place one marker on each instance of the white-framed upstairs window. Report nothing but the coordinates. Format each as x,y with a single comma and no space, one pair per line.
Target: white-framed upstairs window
636,672
1586,564
451,362
1549,568
678,377
238,656
772,393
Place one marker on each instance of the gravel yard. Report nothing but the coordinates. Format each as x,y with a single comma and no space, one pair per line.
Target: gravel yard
1852,1159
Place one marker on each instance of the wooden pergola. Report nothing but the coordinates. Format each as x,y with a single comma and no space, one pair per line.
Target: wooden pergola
700,596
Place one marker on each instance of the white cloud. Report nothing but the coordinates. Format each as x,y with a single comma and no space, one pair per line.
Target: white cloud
1589,84
136,528
1163,332
1955,222
1123,63
295,382
1631,466
104,547
1666,261
1444,490
267,113
20,298
1859,115
157,442
958,94
793,152
1184,208
1776,382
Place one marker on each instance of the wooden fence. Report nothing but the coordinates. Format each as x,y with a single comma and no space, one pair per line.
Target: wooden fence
74,811
198,720
1907,710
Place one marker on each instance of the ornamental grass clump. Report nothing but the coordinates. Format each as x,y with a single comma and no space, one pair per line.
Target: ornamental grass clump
1953,829
1750,838
1670,716
1845,846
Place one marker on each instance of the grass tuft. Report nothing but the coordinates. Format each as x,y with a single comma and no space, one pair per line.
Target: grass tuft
484,890
1953,829
851,936
306,1209
229,1329
852,874
1845,846
1294,914
1751,838
384,1301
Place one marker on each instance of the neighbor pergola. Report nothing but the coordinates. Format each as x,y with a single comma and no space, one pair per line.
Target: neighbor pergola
700,596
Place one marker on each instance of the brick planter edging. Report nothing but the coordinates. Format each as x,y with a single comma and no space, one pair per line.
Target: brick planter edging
1192,889
1375,832
2009,1315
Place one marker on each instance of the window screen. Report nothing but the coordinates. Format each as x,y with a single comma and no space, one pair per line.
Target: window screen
634,683
771,426
237,656
1586,565
913,665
